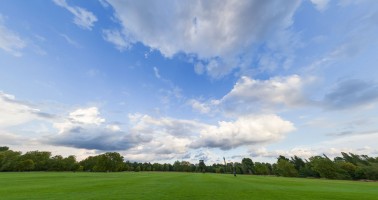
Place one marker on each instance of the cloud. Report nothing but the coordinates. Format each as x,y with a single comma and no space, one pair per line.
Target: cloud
92,137
115,37
201,107
103,3
14,112
156,71
247,130
85,128
228,29
250,95
174,127
80,118
351,93
320,5
86,116
71,41
10,41
83,18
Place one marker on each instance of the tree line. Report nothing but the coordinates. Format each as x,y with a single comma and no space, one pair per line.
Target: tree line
348,166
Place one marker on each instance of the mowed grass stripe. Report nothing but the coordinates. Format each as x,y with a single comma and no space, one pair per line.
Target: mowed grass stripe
148,185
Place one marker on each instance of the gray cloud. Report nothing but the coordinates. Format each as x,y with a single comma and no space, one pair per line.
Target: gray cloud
351,93
95,138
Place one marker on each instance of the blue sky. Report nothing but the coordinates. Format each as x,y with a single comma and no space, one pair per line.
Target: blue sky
173,80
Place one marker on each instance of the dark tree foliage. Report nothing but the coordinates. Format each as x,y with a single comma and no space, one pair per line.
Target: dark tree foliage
348,166
4,148
247,165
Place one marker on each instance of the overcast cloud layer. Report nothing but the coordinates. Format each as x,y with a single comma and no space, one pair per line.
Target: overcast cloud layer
189,79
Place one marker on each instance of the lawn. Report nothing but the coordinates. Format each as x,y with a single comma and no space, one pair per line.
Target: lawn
143,185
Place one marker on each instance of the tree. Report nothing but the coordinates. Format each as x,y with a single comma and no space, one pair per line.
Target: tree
40,158
201,166
285,168
110,161
70,164
324,166
177,166
89,163
4,148
247,164
9,160
297,162
26,165
261,169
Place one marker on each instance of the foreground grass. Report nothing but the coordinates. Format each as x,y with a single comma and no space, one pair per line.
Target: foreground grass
65,185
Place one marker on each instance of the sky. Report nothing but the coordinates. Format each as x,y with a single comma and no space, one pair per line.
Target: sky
159,81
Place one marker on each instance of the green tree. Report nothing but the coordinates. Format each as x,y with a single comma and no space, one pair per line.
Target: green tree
201,166
247,164
109,162
41,159
324,166
26,165
261,169
4,148
9,160
285,168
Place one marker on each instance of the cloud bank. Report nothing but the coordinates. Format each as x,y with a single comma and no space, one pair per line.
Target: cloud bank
228,28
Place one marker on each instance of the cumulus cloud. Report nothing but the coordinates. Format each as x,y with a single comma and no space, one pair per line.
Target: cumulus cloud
227,28
85,128
10,41
245,130
272,91
86,116
251,95
83,18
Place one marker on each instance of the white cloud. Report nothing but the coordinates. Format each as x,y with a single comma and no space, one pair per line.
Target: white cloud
86,116
320,5
115,37
227,28
255,96
10,41
201,107
83,18
246,130
251,95
156,71
113,127
82,117
13,112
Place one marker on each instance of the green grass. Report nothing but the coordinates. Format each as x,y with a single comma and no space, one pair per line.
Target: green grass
65,185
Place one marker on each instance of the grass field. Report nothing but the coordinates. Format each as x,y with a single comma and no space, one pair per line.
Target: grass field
65,185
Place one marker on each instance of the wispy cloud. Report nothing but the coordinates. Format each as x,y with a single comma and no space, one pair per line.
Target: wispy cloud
117,38
10,41
351,94
156,71
83,18
71,41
